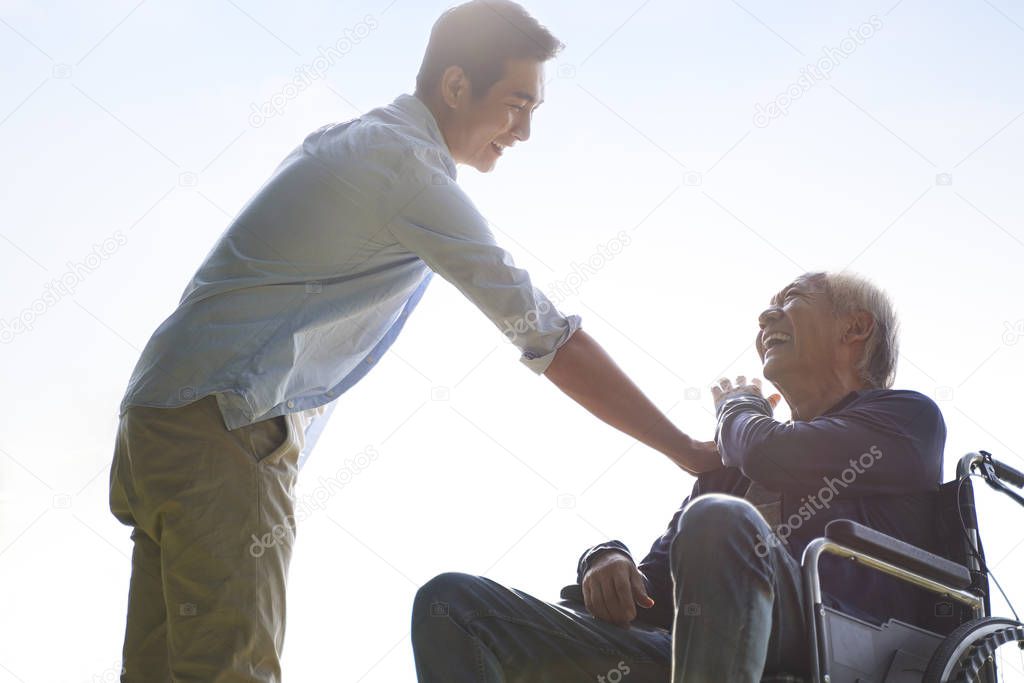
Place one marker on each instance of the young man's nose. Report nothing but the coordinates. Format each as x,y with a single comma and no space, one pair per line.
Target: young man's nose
521,129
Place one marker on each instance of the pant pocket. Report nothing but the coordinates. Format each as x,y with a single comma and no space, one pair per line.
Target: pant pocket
270,438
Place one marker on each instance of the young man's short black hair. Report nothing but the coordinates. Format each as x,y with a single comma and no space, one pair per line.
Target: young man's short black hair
480,36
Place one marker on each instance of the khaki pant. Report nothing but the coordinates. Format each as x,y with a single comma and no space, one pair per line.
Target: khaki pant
212,513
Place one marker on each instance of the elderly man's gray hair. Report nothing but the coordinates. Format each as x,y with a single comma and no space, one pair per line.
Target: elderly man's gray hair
850,293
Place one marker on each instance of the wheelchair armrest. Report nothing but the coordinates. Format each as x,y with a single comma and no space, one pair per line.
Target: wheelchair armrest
894,551
573,593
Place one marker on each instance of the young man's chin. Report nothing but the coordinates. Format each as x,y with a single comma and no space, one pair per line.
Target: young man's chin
485,165
485,160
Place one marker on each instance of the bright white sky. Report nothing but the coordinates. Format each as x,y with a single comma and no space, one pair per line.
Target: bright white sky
130,122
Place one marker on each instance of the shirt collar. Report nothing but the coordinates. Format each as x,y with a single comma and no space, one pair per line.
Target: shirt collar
418,113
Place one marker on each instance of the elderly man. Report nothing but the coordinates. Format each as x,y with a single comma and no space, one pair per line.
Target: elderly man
718,597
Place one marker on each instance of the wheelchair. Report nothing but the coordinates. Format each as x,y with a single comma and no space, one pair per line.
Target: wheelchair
961,643
845,649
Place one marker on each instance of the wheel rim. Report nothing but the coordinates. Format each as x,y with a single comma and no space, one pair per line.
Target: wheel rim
971,656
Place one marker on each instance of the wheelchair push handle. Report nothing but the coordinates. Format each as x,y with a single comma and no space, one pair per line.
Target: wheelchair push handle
1008,474
996,474
989,468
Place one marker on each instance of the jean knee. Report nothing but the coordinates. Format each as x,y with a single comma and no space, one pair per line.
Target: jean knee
712,520
437,597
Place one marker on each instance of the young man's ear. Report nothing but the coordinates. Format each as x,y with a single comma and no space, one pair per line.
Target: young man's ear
858,327
455,86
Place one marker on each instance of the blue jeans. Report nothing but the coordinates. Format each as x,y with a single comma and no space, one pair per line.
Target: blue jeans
738,614
468,628
739,603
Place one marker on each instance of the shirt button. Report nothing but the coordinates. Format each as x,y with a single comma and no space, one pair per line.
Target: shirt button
369,359
290,404
330,392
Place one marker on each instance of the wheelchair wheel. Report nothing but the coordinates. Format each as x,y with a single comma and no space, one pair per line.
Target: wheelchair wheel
973,652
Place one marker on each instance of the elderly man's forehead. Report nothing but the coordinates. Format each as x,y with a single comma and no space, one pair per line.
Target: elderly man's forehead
806,282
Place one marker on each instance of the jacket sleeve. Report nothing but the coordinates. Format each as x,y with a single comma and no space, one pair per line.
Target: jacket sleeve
591,554
883,443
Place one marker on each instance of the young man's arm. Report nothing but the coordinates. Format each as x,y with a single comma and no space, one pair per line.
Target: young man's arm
586,373
429,214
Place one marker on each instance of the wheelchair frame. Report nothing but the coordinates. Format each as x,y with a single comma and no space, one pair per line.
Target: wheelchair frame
822,660
907,647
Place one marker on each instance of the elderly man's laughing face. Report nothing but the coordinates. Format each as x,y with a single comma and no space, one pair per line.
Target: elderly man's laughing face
798,333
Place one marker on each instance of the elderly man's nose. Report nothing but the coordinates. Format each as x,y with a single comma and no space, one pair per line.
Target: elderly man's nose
768,315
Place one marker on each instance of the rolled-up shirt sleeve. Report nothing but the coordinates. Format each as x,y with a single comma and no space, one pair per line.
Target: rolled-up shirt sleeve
430,215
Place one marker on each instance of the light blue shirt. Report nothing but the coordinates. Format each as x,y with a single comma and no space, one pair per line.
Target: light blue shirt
314,279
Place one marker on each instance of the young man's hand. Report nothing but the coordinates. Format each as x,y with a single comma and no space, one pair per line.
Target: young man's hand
613,587
702,456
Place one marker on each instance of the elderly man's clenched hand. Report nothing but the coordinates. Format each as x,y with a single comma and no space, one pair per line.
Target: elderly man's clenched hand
613,587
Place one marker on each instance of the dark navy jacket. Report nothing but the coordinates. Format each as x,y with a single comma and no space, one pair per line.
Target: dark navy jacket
895,441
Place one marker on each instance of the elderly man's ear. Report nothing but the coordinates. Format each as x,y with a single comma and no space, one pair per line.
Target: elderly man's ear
857,327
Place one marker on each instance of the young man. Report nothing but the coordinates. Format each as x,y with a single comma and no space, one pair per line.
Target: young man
300,297
719,596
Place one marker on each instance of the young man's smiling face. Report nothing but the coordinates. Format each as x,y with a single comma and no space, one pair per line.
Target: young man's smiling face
479,130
